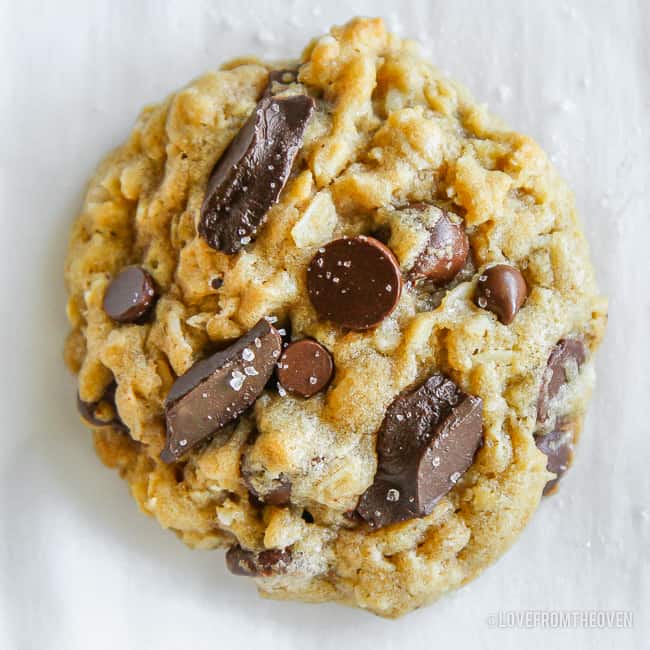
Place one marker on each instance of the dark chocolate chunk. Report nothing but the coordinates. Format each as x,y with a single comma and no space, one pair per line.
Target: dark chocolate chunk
501,289
103,412
130,295
445,253
283,77
427,441
355,282
563,363
558,447
305,367
216,283
217,390
249,176
253,565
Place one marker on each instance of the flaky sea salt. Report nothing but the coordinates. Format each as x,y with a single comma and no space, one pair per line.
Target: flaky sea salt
392,495
237,380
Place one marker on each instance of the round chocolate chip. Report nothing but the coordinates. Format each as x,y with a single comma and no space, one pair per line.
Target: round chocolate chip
354,282
445,253
130,295
501,289
305,368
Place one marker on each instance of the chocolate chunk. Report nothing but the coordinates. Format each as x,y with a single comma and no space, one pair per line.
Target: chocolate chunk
130,295
285,77
217,390
253,565
445,253
103,412
558,447
248,178
305,367
355,282
427,441
501,289
216,283
563,363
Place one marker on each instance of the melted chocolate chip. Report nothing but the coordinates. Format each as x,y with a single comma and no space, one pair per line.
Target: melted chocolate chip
217,390
130,295
502,290
445,253
253,565
563,363
103,412
355,282
305,367
248,178
558,447
216,283
427,441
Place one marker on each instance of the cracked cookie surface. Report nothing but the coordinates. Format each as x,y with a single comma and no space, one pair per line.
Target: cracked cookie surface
392,151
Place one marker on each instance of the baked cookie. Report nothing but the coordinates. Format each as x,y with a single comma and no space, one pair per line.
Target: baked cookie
335,318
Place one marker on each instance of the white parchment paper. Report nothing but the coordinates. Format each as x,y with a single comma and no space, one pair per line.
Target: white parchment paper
80,567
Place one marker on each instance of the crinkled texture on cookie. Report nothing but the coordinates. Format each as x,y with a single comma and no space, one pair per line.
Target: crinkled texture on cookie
388,130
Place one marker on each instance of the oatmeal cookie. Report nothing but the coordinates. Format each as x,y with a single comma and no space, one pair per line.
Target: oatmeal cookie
334,317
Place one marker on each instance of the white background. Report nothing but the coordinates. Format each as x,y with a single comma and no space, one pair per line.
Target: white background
80,567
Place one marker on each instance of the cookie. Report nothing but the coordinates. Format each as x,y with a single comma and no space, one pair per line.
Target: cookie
336,319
